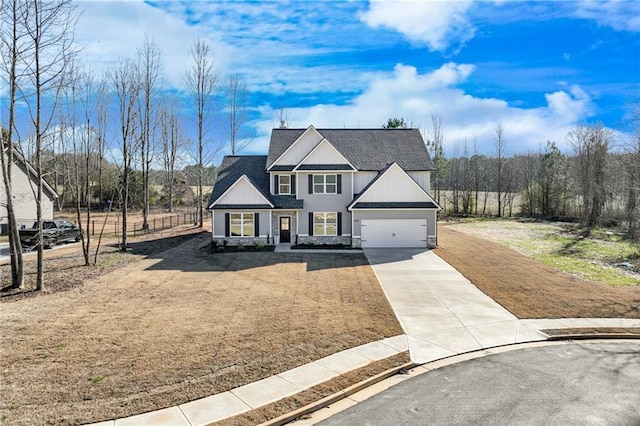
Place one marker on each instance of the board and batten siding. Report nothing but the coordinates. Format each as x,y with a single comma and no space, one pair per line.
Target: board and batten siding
325,202
394,185
423,178
242,193
300,148
325,153
362,179
24,201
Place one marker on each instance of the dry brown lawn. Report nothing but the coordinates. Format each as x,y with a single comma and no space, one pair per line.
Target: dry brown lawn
529,289
177,326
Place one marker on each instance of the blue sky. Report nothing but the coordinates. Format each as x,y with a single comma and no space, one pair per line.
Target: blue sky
539,68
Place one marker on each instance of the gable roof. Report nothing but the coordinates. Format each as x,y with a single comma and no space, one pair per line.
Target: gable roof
233,167
252,168
365,149
356,204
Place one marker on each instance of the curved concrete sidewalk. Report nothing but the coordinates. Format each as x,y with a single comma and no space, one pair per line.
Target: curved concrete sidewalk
443,314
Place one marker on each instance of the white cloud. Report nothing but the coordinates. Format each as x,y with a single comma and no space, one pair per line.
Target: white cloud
415,97
621,15
113,29
437,24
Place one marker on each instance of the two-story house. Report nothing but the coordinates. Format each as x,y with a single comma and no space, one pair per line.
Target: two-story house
357,187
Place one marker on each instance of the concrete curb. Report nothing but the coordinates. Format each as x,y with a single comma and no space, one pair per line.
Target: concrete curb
594,336
326,401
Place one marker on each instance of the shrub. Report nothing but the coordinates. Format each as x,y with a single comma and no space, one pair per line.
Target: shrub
220,249
340,245
240,248
259,247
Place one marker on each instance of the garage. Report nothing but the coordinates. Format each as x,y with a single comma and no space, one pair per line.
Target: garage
394,233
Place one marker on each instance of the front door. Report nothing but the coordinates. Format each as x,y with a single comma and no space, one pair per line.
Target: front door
285,229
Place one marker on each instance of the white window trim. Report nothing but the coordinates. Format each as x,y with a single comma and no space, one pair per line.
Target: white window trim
280,187
242,219
324,224
324,183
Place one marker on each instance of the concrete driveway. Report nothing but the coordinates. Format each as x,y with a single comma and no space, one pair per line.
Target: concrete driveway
442,313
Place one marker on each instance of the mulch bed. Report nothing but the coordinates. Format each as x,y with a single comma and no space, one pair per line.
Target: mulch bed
323,247
594,331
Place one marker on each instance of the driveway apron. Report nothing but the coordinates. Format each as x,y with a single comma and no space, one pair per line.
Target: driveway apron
442,313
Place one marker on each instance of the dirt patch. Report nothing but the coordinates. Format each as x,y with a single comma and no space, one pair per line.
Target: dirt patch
179,325
529,289
316,393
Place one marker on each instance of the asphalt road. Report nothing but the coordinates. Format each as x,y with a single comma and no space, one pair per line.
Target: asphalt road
575,384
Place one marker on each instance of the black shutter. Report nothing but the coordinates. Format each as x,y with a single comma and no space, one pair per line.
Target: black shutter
310,223
256,224
293,184
339,180
310,184
276,187
227,230
339,223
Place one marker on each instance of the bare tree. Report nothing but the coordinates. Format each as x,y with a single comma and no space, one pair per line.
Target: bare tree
150,68
126,85
435,143
11,37
237,98
500,145
591,146
49,27
201,79
170,135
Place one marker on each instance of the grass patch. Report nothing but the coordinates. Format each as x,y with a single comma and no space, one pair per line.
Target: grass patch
563,246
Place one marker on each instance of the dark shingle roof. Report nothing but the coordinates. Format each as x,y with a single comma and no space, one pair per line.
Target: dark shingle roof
286,202
366,149
396,205
234,166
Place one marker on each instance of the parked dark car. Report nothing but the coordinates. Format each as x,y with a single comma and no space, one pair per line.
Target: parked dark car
53,232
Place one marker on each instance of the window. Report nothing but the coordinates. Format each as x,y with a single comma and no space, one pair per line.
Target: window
325,224
241,224
325,184
284,186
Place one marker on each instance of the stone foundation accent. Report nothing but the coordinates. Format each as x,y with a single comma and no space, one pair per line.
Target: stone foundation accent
245,241
356,242
431,242
325,240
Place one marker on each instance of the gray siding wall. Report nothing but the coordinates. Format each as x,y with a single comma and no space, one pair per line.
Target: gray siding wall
324,202
218,227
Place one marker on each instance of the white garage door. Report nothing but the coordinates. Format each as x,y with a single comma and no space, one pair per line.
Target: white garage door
394,232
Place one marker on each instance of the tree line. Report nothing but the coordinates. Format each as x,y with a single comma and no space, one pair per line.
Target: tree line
111,135
596,183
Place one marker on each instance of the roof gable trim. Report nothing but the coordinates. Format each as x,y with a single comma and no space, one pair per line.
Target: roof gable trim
309,129
324,141
372,184
246,179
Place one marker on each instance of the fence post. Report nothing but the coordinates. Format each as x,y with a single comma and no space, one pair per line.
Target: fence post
93,227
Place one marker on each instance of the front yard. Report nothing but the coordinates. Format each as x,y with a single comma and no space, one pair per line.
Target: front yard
177,326
506,260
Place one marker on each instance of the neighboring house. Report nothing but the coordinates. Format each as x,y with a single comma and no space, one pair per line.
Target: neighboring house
24,181
357,187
